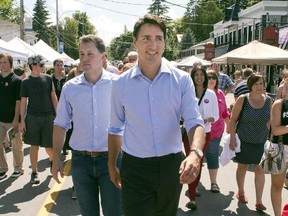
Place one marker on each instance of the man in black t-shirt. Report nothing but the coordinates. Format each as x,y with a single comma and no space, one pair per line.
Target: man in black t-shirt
39,99
9,116
58,77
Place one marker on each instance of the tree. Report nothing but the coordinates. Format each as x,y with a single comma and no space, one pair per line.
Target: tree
84,26
8,13
40,22
121,46
159,9
171,51
201,17
70,37
187,40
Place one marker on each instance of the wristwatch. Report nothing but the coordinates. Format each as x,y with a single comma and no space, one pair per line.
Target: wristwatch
198,152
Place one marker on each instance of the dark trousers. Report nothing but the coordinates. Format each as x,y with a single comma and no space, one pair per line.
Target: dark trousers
151,186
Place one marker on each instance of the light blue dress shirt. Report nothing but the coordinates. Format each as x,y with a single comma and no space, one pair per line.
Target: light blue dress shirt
88,106
147,113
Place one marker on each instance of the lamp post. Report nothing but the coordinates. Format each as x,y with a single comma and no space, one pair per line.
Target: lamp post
57,23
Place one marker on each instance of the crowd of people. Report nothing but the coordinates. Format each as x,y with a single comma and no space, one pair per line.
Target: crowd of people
114,121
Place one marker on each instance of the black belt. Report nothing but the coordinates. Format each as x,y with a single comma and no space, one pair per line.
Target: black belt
92,153
150,159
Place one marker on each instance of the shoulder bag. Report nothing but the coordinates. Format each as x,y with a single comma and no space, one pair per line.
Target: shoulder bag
273,158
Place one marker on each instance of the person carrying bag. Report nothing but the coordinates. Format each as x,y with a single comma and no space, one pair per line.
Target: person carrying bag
279,122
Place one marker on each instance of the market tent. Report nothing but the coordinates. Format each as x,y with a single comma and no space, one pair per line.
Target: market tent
67,59
48,52
17,42
189,61
256,53
17,54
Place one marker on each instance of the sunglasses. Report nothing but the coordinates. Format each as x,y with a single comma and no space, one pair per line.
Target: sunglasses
211,78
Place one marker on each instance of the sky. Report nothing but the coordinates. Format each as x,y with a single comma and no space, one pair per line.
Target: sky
108,16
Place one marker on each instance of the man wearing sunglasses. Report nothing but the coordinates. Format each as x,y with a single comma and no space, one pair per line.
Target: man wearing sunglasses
37,108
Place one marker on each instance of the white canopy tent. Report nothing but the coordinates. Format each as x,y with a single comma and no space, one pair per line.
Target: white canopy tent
17,42
17,54
256,53
67,59
48,52
189,61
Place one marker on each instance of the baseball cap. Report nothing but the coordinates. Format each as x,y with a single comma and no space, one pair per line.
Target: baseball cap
36,59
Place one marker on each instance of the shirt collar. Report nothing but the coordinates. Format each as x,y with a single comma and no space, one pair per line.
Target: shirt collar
164,68
104,76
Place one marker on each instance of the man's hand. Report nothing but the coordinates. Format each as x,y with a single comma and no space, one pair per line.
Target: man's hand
189,168
57,167
22,127
115,176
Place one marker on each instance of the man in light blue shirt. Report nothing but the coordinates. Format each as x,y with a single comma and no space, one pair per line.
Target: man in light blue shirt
85,100
147,103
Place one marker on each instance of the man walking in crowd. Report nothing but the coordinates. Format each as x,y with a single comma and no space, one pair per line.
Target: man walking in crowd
38,98
10,110
107,66
85,100
242,87
132,56
59,78
153,166
225,83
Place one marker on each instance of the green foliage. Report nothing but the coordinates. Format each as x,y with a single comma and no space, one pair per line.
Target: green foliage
253,2
159,9
120,46
187,40
199,18
8,13
84,25
171,51
40,22
70,36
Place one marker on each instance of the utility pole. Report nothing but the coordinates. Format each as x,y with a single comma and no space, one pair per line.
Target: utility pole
21,20
57,26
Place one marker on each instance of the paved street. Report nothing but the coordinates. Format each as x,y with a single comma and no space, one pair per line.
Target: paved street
19,197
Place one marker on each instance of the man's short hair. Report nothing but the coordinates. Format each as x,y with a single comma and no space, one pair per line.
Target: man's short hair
149,19
57,60
9,57
247,72
99,43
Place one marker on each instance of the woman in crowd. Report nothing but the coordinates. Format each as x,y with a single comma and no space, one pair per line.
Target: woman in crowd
208,107
280,88
252,130
279,127
212,153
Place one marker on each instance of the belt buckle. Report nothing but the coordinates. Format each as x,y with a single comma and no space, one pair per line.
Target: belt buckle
93,154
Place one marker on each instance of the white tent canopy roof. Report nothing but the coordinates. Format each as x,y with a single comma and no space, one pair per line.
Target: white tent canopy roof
17,42
189,61
15,52
254,52
67,59
48,52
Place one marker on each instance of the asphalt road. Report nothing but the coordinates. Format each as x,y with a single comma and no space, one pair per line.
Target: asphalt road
19,197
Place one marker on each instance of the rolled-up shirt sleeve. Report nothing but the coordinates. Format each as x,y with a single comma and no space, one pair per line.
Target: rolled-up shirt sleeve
64,112
117,114
189,107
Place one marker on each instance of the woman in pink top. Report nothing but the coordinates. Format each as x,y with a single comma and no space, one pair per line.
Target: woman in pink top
212,153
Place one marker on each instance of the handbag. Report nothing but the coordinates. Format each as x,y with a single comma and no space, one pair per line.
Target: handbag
273,159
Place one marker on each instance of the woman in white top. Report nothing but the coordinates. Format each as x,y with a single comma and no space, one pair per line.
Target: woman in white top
208,107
